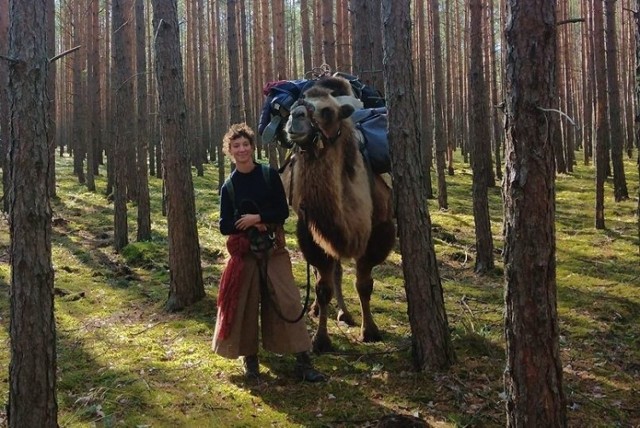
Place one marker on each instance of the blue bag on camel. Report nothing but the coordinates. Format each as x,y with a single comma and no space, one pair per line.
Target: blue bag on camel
373,123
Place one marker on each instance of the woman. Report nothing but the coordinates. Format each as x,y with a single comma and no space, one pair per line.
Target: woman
257,283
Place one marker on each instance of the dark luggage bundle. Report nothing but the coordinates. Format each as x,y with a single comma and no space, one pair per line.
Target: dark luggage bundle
373,123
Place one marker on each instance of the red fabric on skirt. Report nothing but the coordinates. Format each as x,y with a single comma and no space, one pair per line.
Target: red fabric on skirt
238,246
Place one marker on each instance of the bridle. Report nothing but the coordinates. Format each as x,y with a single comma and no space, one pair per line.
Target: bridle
318,137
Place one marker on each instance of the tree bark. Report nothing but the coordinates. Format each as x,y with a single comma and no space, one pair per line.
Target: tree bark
234,63
142,128
32,371
425,120
636,17
92,93
431,341
78,139
186,285
328,35
438,106
588,75
367,42
533,376
4,100
601,121
620,191
306,35
480,142
123,96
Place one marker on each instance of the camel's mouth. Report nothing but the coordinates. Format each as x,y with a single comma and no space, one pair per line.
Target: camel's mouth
299,127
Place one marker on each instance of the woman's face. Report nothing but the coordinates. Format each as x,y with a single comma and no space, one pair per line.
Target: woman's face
241,150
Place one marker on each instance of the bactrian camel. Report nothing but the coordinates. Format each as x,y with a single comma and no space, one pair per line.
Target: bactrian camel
344,209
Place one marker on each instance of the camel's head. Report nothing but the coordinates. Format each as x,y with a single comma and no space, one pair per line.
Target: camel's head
319,115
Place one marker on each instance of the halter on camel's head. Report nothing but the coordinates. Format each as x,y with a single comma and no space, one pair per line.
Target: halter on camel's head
316,119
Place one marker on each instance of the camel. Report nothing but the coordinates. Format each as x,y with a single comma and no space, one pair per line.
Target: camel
344,209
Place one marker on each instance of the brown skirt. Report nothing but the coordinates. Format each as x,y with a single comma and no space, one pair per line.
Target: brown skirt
255,311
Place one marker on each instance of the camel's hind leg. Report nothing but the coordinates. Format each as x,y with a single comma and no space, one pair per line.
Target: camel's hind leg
364,284
380,244
343,313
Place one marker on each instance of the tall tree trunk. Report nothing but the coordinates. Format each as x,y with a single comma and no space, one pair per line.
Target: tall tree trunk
480,142
234,62
79,106
51,90
602,133
615,118
317,33
328,37
142,138
557,134
32,371
636,16
92,91
496,95
221,121
431,340
306,35
533,376
4,101
205,125
367,42
426,123
438,106
279,43
123,96
343,56
186,286
248,110
588,76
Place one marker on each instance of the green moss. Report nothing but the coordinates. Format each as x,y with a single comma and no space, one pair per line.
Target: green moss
123,361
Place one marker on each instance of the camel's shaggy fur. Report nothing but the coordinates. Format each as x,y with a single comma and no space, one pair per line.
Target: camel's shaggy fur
344,210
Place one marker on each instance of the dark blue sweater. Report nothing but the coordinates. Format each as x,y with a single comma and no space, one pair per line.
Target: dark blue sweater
253,196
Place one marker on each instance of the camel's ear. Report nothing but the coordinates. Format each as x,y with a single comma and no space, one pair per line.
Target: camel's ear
346,110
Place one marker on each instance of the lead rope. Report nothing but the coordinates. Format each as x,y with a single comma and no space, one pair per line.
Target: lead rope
264,282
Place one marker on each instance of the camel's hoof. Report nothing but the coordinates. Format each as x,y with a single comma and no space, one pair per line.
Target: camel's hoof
346,318
371,335
321,344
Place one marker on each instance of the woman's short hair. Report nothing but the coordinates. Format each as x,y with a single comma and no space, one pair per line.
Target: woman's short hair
237,130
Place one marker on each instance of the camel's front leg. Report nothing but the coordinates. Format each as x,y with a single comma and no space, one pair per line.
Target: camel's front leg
324,292
364,284
325,270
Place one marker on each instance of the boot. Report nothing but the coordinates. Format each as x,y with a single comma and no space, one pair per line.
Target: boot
251,367
305,371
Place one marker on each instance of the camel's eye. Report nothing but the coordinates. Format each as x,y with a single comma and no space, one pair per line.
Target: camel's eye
326,113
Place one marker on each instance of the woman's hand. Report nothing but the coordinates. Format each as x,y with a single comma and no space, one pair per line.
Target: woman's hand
247,220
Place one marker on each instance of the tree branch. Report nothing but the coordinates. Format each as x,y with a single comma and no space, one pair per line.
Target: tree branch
570,21
8,58
67,52
158,30
561,113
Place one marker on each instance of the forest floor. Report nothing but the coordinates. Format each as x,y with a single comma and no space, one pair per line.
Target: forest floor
124,361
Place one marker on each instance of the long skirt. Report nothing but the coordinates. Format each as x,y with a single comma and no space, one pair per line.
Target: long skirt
255,311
